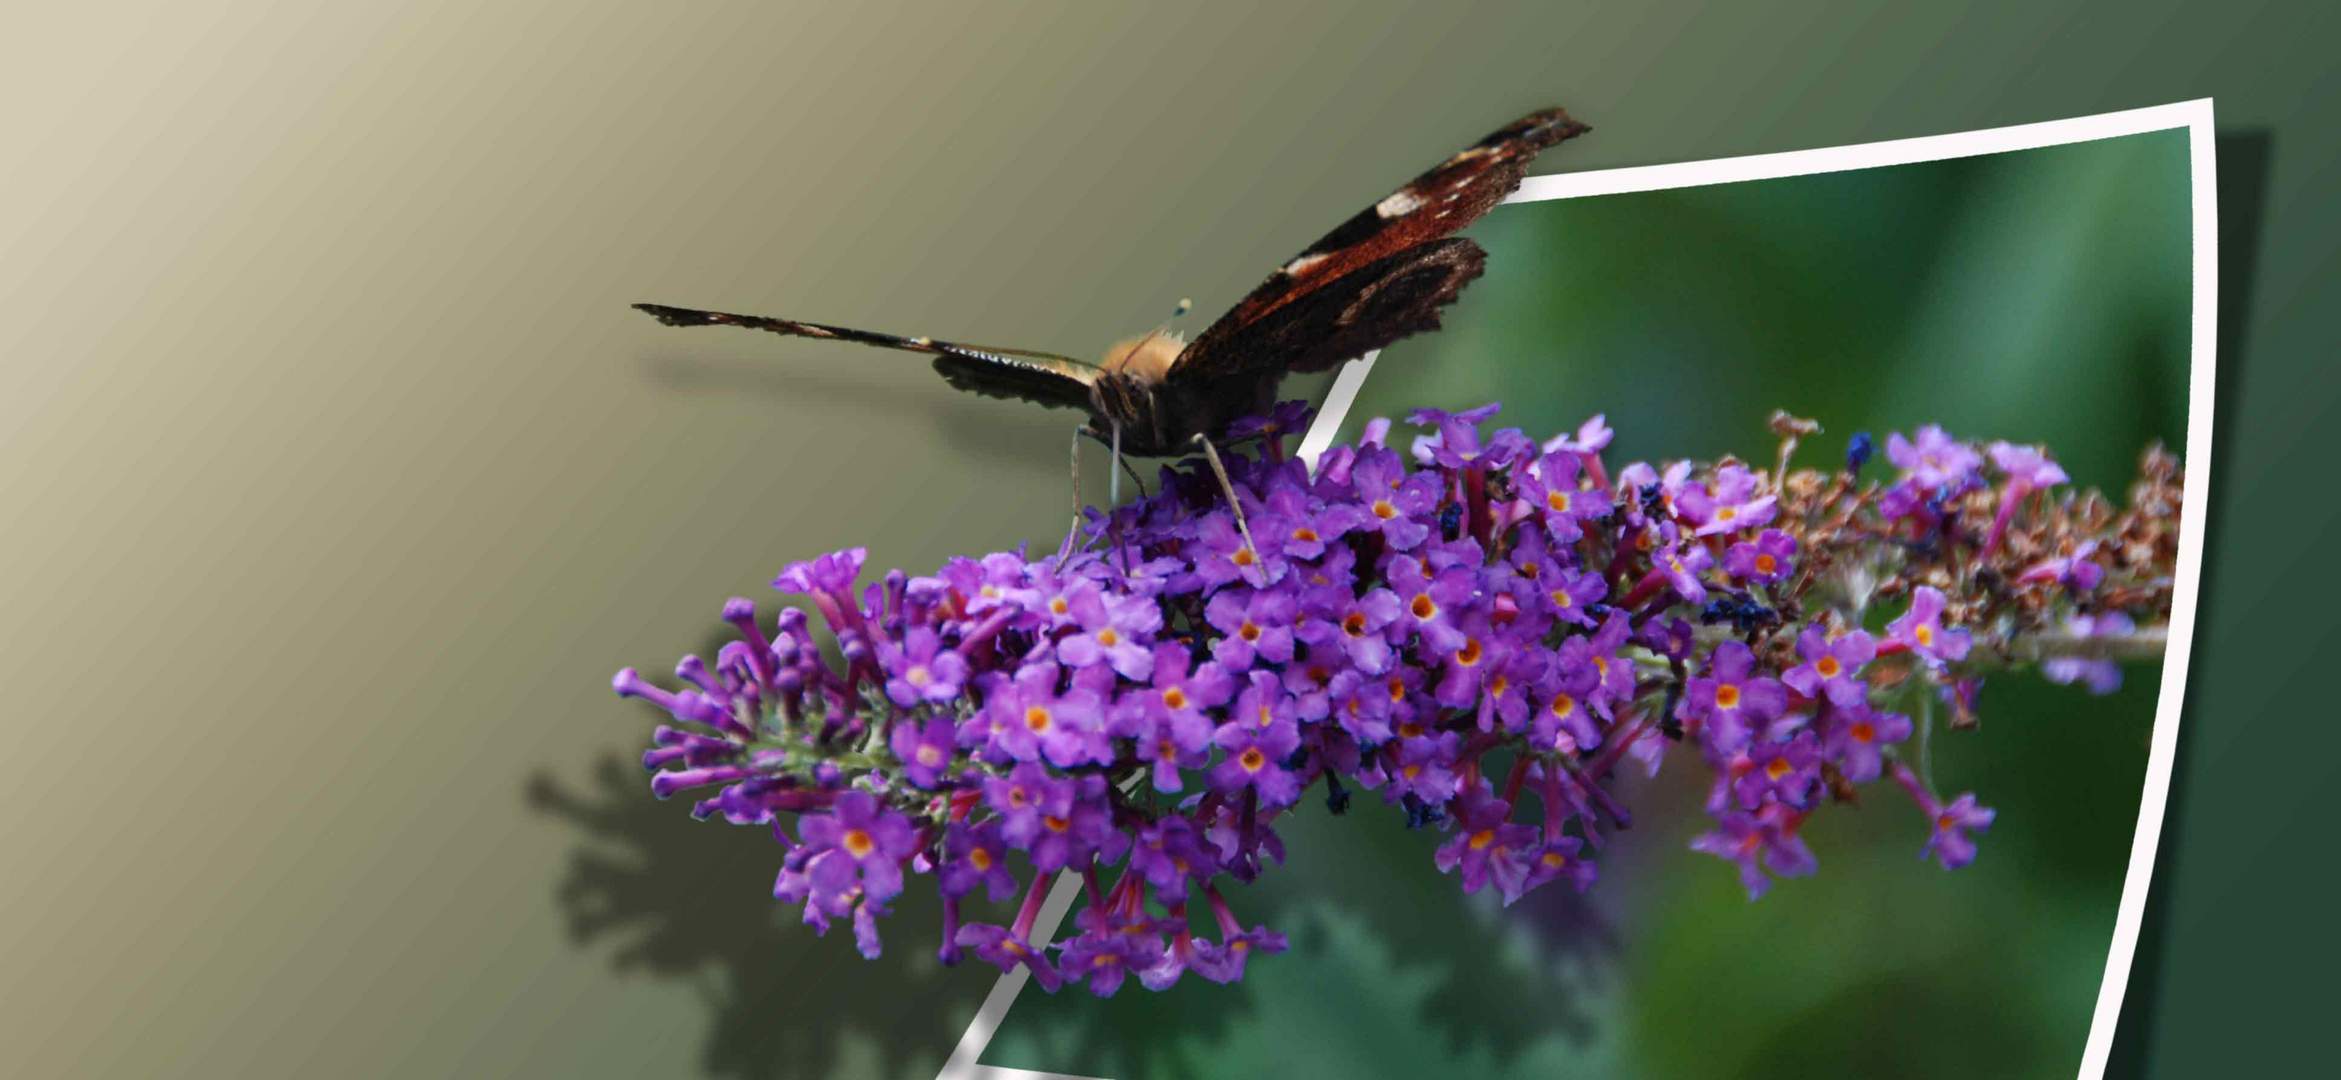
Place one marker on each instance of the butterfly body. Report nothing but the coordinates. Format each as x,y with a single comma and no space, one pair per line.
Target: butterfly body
1382,275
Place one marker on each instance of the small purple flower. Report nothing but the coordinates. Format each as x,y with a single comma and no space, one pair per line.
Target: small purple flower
1757,842
1832,666
1570,594
1225,556
1223,962
1483,838
1729,502
1254,625
1168,853
859,842
2078,571
1551,494
2026,466
1032,720
1394,502
1255,751
1357,625
1934,460
2099,675
1113,631
1680,565
1731,699
1559,857
1591,437
1455,442
1284,418
1106,952
1425,768
1004,949
1429,604
1950,845
1921,629
1023,797
1770,558
975,855
925,751
1856,736
1086,830
920,670
1784,772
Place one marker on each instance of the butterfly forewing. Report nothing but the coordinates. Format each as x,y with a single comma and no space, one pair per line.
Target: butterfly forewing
1436,204
1055,381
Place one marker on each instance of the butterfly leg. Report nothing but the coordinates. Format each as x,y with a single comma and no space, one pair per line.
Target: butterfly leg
1228,488
1065,550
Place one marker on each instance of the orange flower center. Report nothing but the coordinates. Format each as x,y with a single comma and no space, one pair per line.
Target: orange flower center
1482,839
1563,705
1244,556
930,756
1249,631
1383,509
1559,501
1766,564
979,858
1925,634
1727,696
1174,698
857,842
1038,719
1423,607
1864,731
1252,759
1109,637
1305,535
1468,655
1354,624
1056,824
1776,768
1828,667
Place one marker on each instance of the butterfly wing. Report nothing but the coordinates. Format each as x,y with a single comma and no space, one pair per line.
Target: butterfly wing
1433,205
1042,378
1368,308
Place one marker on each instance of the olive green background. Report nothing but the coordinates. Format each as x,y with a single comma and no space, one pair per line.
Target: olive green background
338,478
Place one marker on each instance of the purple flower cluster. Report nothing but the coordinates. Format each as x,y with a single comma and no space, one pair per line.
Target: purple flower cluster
1479,630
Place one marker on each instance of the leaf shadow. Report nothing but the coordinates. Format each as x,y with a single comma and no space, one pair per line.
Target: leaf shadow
689,900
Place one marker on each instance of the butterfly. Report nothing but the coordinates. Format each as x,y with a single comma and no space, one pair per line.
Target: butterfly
1380,276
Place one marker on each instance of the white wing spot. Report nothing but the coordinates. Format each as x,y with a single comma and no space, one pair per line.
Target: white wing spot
1301,265
1398,205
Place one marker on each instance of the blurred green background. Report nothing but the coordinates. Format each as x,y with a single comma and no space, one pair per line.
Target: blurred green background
2036,296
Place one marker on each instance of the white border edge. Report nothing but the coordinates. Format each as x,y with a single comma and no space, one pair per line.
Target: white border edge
2196,118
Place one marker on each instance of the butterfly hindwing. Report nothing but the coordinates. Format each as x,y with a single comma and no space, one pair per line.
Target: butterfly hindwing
1391,298
1055,381
1435,204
